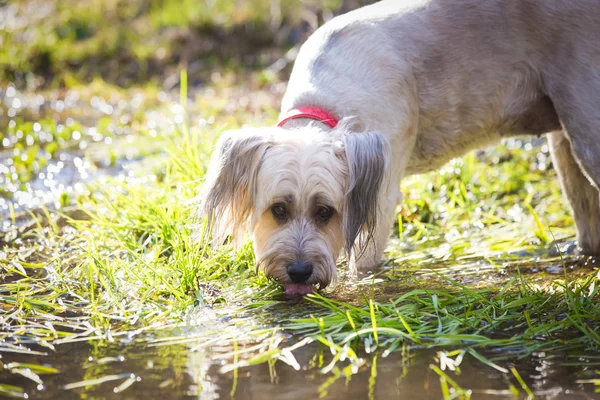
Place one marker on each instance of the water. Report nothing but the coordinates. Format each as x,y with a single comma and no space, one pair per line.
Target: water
195,360
192,370
54,144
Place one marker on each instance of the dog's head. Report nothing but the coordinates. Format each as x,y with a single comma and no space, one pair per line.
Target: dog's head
304,195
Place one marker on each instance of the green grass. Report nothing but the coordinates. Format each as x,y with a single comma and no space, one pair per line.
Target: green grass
126,258
462,280
520,316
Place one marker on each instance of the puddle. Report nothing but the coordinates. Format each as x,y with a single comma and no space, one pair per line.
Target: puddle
54,145
151,365
69,141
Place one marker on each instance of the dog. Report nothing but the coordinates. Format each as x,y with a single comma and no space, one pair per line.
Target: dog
400,88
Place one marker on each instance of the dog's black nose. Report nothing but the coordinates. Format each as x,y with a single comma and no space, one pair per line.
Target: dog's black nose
300,271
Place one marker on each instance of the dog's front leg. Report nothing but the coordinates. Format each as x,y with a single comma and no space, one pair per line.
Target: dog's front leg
400,133
371,256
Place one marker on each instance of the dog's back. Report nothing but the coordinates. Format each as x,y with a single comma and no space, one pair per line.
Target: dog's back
475,68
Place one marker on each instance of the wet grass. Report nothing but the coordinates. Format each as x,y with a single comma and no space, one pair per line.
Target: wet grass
513,321
481,266
131,246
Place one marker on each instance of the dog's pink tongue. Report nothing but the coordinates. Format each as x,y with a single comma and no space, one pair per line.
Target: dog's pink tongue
298,289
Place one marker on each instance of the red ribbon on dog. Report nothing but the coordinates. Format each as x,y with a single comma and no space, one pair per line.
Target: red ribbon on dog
315,113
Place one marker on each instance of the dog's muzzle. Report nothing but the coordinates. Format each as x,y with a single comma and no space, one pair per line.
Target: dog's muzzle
299,272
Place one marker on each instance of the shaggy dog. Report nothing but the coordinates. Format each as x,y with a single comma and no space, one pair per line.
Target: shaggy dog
400,88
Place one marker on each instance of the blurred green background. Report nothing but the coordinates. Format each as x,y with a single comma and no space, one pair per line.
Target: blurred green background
126,42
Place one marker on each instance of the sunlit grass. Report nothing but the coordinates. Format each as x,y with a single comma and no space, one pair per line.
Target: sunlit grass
519,316
131,260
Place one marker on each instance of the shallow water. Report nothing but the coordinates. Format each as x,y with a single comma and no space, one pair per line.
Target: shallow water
52,145
153,366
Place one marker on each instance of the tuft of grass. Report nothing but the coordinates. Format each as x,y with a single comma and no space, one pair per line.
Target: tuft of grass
126,260
523,317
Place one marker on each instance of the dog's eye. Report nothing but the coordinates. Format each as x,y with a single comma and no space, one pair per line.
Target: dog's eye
279,212
324,213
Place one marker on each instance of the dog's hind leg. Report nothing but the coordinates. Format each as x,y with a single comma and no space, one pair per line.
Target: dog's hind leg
572,82
581,194
574,88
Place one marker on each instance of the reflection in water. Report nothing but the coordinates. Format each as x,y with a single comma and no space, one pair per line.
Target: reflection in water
392,377
175,372
194,362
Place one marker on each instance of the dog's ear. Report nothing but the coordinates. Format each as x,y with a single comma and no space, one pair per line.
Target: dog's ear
227,196
368,158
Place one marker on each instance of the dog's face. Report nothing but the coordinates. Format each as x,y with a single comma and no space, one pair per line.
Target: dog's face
304,194
299,203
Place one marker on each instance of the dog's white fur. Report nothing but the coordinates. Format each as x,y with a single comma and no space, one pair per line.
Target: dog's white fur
415,83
